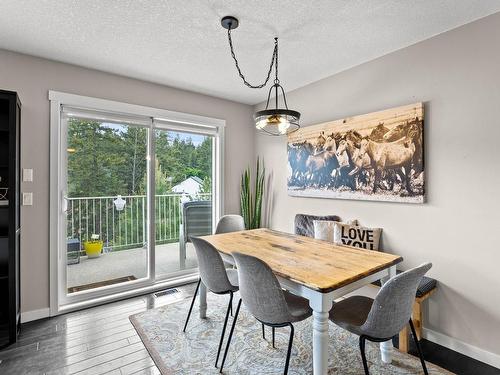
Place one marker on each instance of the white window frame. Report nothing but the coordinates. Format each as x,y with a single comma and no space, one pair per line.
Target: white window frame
158,119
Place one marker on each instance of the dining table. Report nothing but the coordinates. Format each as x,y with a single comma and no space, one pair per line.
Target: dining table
317,270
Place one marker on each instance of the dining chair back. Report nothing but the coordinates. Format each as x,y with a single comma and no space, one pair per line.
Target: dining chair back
382,318
260,290
216,278
230,223
393,305
211,267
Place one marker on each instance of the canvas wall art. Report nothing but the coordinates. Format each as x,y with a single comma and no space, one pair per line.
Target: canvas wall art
377,156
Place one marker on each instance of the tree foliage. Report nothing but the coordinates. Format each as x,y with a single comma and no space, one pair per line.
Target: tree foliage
108,160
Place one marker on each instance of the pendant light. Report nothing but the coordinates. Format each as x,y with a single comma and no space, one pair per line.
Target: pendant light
275,120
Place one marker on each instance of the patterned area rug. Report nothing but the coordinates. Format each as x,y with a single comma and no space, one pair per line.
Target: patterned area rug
194,352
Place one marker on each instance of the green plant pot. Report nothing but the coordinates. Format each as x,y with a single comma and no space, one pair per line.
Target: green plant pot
93,249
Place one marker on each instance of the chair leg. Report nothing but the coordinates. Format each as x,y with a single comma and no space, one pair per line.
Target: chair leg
289,352
362,342
224,327
263,332
419,349
182,252
192,303
273,337
230,335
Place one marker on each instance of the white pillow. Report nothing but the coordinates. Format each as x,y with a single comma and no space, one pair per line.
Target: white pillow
323,230
354,235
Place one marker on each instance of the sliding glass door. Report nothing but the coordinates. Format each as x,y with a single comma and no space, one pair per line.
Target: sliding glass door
133,189
106,199
183,202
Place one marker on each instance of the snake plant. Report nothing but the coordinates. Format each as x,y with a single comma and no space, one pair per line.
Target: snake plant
251,201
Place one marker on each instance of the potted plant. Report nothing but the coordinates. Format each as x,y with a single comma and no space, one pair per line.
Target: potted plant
93,247
251,201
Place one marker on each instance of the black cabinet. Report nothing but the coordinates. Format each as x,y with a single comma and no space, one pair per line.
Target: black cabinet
10,230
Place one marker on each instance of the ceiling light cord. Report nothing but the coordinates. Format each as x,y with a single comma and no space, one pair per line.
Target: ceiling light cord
273,121
274,62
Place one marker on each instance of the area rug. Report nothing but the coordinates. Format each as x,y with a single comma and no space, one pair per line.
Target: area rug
194,352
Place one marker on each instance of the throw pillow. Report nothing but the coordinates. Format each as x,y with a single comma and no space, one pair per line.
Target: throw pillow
323,230
353,235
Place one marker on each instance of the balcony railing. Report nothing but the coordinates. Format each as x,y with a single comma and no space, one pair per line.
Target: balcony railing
127,228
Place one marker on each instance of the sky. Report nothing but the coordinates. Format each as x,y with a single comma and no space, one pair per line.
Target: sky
197,139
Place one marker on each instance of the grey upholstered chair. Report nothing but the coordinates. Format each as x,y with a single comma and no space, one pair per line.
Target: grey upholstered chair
382,318
262,294
230,223
215,277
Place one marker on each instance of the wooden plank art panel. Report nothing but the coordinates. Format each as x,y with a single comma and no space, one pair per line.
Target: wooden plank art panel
316,264
377,156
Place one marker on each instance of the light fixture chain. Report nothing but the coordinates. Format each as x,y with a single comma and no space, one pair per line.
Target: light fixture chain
276,80
274,60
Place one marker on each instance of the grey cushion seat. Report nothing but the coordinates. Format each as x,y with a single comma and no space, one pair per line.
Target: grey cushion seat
232,275
424,287
297,306
304,224
351,313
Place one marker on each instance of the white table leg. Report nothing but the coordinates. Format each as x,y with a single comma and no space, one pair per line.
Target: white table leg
321,304
386,347
203,300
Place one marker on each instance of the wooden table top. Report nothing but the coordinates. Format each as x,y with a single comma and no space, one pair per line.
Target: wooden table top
316,264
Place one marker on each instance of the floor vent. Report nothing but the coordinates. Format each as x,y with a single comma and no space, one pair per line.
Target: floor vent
166,292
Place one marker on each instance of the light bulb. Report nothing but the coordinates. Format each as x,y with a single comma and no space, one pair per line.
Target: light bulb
283,125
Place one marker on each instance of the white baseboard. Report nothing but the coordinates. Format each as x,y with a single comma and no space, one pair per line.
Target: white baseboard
482,355
29,316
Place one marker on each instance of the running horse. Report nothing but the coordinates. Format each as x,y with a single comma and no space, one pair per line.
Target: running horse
397,155
410,129
320,166
297,157
359,163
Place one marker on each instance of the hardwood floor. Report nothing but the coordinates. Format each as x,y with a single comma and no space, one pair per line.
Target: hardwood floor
101,340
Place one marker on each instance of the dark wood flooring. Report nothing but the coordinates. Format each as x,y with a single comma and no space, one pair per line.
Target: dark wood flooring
101,340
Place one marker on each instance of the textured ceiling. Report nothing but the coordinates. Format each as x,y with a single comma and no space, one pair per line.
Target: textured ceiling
180,42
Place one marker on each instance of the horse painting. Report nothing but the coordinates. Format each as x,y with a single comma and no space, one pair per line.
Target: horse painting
377,156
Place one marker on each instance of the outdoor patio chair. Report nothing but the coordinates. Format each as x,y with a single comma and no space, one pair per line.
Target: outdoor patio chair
196,222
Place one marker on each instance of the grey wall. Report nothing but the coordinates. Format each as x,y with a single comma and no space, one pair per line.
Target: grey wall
32,78
457,75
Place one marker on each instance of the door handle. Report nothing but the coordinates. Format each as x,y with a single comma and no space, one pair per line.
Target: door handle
64,203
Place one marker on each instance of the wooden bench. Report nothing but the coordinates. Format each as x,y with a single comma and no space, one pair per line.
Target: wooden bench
417,318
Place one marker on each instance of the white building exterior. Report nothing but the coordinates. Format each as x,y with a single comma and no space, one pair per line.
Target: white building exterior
190,186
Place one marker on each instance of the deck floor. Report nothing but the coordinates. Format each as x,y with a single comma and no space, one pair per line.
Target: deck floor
132,262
